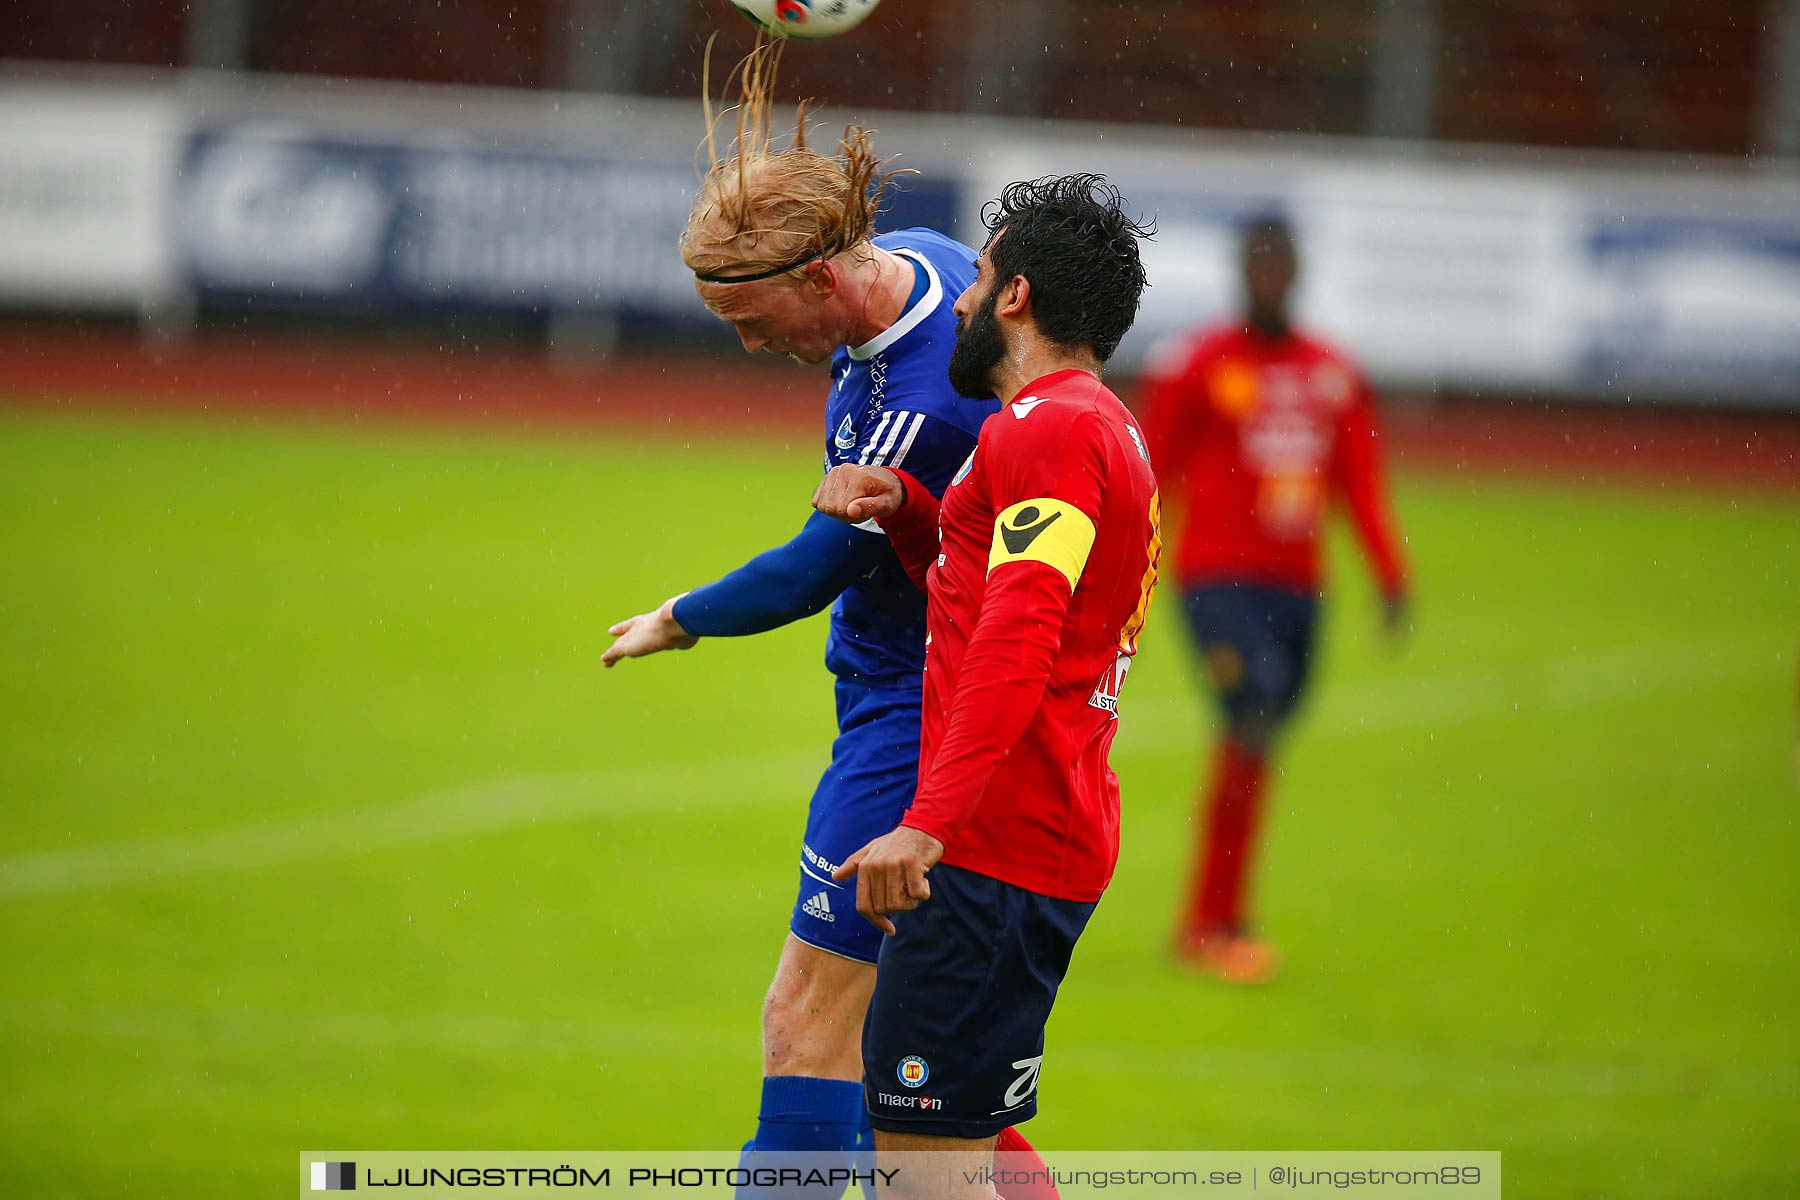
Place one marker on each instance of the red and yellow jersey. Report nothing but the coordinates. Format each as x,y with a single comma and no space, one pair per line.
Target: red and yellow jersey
1039,566
1256,437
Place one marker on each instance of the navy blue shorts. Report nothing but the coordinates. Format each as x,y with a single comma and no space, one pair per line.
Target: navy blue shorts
954,1037
873,773
1257,642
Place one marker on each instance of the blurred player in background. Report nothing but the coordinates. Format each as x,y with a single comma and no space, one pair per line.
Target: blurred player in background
1038,586
783,247
1255,428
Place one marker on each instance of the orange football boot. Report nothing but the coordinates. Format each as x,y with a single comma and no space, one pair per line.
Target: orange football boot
1230,957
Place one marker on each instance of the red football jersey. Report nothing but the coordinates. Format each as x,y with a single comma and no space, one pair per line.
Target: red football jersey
1038,568
1258,435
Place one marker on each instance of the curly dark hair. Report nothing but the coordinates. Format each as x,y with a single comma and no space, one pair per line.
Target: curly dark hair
1070,238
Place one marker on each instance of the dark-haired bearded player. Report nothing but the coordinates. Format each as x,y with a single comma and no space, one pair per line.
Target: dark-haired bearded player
1038,567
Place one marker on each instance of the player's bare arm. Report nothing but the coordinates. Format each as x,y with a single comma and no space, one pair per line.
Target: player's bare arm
890,874
856,493
647,633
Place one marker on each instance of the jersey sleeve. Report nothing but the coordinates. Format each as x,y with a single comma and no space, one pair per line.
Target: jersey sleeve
1360,476
914,529
1057,467
1046,484
782,585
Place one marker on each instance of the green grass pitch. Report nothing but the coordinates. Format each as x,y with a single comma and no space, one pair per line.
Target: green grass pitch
322,826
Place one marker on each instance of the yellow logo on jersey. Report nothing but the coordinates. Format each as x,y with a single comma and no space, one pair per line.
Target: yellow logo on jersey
1146,589
1044,530
1234,387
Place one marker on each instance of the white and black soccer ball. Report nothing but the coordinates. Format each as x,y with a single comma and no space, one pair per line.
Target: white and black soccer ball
806,18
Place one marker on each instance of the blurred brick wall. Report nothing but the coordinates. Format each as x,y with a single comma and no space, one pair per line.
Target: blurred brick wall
1670,75
147,32
1666,75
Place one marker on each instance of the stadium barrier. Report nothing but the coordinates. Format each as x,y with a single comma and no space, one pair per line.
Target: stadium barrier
85,184
1576,276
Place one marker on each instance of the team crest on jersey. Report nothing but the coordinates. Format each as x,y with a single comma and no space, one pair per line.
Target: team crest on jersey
913,1071
962,472
845,438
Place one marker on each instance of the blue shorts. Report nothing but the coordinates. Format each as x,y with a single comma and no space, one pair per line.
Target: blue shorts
873,774
1257,642
954,1037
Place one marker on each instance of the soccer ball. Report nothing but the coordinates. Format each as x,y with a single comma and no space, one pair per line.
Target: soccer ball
806,18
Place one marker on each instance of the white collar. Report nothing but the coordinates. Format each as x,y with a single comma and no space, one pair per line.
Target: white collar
909,320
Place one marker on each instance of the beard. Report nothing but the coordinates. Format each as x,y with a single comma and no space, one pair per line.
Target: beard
979,349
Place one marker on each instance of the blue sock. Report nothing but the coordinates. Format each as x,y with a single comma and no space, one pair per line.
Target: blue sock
801,1114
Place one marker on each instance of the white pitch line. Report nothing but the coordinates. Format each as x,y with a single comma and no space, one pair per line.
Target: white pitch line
473,810
1435,701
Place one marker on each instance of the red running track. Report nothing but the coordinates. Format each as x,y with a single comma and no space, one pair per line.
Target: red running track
705,399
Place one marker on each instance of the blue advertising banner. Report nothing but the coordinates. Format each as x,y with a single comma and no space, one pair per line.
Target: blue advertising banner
278,214
1433,274
1693,304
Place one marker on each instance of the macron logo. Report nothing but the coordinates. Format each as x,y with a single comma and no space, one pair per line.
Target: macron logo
1017,537
1022,408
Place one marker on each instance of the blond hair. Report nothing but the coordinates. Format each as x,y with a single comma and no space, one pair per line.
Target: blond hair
760,207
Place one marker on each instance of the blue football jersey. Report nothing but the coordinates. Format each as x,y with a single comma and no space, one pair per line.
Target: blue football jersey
892,405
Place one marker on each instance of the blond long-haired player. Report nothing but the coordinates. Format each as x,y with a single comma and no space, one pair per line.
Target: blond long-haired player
783,247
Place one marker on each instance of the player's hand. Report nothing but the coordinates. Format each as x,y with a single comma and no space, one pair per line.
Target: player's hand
855,494
890,873
1396,617
648,633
